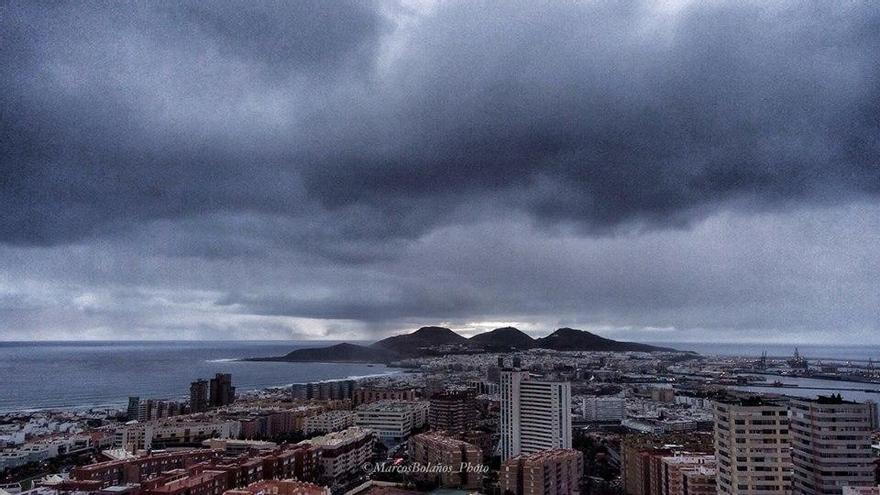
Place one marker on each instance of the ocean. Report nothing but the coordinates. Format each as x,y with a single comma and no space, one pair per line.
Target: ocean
46,375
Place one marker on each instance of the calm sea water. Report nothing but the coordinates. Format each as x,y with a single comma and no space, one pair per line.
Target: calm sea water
812,387
40,375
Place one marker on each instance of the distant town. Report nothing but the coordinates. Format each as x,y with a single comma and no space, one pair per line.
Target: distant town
493,415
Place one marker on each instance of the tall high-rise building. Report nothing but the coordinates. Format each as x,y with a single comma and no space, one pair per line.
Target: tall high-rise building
133,407
875,414
830,445
752,446
146,410
453,410
198,396
535,415
222,391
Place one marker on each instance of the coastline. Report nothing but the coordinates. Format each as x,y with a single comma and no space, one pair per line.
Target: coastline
75,377
120,406
315,361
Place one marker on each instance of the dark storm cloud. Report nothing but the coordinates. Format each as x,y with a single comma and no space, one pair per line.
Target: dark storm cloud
299,36
116,114
223,166
603,114
593,113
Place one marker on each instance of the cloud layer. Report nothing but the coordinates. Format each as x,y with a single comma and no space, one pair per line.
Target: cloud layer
347,170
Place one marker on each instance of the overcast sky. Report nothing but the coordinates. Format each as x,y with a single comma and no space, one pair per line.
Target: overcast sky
658,171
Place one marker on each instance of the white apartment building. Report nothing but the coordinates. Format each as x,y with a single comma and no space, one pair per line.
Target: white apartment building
330,421
393,421
43,450
752,447
535,415
830,445
343,453
604,409
136,435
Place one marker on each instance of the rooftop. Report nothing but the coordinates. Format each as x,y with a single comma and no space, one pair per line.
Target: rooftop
828,399
750,401
546,455
390,405
340,437
442,440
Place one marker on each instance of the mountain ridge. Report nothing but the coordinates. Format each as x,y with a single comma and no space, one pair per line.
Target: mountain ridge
424,337
573,339
337,353
504,338
434,341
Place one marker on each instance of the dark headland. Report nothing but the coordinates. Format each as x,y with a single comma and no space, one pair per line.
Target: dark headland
434,341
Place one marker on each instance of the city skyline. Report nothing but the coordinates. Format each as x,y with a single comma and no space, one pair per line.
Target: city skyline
652,172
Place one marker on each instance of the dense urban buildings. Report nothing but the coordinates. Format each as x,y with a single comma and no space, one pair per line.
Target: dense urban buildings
196,471
272,421
694,439
170,433
830,445
535,415
752,446
185,482
642,458
280,487
150,409
547,472
134,470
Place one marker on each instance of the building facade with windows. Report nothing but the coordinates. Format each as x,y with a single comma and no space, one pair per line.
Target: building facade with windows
535,415
830,445
752,447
